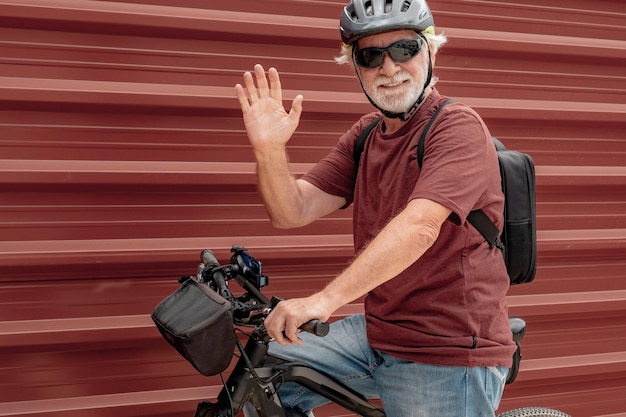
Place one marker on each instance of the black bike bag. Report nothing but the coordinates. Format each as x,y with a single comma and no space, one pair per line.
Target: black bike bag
198,322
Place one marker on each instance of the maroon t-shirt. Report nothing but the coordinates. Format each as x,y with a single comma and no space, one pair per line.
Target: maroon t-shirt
449,307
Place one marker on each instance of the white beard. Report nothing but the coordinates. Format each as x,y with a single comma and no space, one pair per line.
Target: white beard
397,100
401,99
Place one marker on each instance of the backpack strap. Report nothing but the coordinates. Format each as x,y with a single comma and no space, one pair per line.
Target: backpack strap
485,226
477,218
422,141
359,145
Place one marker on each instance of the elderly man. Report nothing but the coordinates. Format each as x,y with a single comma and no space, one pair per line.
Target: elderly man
434,340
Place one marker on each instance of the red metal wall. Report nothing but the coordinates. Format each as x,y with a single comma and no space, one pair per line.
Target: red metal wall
122,154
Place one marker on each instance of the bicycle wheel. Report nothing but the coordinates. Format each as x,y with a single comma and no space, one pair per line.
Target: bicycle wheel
533,412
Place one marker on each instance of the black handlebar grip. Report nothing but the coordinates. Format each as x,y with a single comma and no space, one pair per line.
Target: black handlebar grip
207,258
316,327
217,274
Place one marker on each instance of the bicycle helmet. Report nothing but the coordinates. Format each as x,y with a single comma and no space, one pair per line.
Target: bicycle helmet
362,18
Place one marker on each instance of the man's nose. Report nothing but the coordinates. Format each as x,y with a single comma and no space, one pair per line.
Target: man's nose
389,66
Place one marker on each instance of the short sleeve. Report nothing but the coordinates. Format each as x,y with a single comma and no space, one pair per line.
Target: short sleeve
336,173
460,165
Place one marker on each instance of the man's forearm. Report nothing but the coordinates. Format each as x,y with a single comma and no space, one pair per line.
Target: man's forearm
280,191
402,242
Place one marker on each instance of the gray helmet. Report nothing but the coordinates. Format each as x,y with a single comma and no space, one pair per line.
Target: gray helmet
362,18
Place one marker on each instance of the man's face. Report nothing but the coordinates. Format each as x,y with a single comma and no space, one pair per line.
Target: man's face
394,86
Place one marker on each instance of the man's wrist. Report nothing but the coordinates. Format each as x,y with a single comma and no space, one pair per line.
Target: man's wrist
270,154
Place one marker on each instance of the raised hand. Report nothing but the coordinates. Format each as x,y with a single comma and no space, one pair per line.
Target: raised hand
268,124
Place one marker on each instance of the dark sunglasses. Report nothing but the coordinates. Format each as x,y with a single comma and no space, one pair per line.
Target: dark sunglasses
400,51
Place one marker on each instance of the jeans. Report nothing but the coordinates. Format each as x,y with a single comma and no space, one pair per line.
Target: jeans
406,389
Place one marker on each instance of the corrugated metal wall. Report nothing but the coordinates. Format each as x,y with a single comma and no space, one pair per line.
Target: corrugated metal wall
122,154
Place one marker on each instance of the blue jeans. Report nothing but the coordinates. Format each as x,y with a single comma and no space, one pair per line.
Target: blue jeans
406,389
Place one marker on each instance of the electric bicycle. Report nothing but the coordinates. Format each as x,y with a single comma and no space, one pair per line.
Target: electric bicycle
254,381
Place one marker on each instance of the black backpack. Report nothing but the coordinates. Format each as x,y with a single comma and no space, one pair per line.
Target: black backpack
518,240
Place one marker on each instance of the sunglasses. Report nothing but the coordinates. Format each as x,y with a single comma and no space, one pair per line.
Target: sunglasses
400,51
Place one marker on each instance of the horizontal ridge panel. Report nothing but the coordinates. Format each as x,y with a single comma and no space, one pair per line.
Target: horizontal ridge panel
124,154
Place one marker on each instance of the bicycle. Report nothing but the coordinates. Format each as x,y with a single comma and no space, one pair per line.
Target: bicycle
253,383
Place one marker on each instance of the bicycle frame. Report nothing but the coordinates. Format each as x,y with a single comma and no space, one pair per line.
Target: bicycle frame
254,380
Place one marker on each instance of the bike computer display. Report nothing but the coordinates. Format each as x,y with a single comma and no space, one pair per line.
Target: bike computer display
249,266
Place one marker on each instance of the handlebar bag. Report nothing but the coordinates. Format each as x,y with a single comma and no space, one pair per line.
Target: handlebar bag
198,322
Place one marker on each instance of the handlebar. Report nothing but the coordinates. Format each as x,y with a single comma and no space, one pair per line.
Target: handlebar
252,307
316,327
210,263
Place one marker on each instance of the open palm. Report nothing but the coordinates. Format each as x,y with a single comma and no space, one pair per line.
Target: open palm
267,122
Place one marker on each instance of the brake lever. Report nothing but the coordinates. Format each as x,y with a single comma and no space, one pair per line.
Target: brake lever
257,317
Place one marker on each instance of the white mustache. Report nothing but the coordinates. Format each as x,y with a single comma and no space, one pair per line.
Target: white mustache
388,81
